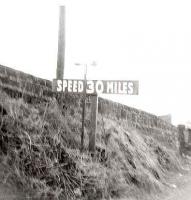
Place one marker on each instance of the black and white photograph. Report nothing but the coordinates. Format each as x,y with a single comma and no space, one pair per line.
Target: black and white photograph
95,100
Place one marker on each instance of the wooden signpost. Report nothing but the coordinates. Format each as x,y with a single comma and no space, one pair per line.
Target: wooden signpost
94,88
91,87
93,128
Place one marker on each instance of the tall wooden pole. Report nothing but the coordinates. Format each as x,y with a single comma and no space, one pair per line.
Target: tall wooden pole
61,45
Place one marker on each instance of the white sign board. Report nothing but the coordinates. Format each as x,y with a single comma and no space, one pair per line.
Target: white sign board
96,86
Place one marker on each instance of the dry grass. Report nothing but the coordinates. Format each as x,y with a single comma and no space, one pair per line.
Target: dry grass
139,159
39,148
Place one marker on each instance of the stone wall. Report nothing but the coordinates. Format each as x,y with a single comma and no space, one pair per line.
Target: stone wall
167,118
20,84
147,123
184,140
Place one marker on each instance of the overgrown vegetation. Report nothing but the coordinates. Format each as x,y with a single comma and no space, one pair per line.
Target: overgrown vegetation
39,152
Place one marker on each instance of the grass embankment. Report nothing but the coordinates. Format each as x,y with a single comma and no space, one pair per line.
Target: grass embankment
39,152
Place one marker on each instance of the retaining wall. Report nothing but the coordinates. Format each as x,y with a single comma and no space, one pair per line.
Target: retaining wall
19,84
147,123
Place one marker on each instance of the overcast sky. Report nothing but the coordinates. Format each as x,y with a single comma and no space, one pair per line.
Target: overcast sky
148,40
